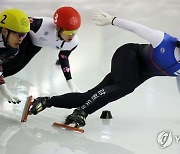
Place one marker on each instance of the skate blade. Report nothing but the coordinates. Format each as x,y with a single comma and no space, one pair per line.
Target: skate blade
26,109
68,127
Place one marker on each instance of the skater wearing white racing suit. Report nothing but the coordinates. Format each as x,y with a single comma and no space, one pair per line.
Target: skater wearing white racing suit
59,33
131,65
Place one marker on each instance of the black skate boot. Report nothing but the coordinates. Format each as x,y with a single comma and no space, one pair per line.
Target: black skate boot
39,104
77,117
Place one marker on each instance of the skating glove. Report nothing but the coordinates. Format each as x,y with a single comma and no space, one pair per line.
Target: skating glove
72,86
101,18
8,95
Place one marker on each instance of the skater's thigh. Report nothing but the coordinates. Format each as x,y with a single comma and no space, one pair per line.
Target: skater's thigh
125,66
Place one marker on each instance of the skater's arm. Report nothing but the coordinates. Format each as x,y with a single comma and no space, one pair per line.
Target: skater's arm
154,37
64,62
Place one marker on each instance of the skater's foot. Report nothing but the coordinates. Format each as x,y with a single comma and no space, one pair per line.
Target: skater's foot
39,104
77,117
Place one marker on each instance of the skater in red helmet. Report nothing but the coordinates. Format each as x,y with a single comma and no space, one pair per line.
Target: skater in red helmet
58,32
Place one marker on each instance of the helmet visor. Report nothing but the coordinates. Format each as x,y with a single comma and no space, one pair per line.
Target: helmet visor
23,35
69,32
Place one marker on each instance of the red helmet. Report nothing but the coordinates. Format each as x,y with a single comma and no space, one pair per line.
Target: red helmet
67,18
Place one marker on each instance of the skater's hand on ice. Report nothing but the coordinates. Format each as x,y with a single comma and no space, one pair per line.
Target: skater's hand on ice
8,95
14,100
101,18
72,86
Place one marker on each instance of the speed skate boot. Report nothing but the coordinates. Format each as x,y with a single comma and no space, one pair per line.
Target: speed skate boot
39,104
77,117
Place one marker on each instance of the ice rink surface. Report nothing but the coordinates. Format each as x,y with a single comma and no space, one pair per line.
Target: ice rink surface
138,119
